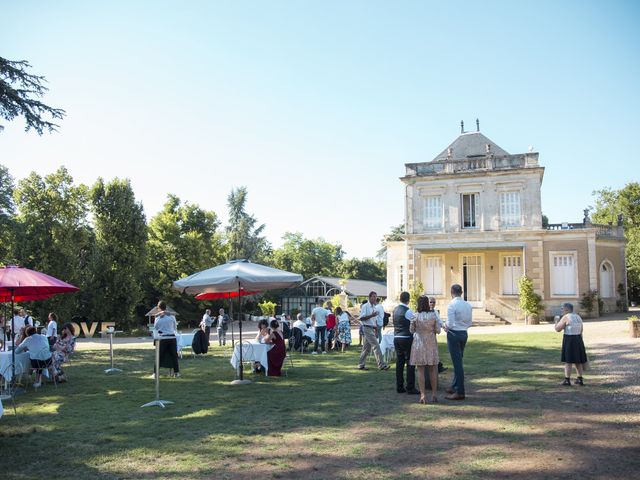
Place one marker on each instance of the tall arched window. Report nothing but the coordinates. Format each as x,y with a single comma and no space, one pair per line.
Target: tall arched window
607,280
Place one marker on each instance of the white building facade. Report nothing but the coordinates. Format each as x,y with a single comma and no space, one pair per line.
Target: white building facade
473,216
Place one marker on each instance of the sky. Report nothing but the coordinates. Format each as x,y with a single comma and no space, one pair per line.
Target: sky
315,107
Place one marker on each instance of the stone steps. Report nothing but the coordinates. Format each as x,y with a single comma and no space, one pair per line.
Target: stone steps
482,318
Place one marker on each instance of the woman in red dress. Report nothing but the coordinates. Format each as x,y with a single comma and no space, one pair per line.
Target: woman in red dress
278,353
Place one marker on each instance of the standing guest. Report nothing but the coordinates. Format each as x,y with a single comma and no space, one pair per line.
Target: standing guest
205,324
52,328
344,329
459,315
368,315
432,307
18,321
379,320
319,318
424,351
62,349
402,341
331,327
165,324
39,352
573,351
277,353
222,327
27,321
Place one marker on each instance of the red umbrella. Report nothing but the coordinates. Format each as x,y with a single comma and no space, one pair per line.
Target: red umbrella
19,284
218,295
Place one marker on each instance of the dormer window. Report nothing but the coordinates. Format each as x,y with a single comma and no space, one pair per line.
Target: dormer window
470,210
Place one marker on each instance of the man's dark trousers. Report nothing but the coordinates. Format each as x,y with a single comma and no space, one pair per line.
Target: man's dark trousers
403,353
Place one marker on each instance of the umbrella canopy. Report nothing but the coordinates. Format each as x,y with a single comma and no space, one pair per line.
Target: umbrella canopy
154,311
218,295
23,284
236,275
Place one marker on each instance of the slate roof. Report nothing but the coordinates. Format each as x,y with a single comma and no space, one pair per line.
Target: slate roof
469,145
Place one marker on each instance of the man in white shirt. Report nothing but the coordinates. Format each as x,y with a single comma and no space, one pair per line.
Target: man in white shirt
52,328
368,316
319,318
459,317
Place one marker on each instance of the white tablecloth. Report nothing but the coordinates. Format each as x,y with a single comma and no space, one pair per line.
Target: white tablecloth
387,342
184,340
252,351
22,364
310,333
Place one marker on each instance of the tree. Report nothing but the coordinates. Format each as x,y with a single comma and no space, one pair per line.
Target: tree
308,257
53,235
118,262
183,239
7,217
530,301
626,202
243,239
396,235
364,269
19,93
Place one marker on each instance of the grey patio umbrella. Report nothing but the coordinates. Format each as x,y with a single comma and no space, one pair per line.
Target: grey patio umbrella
236,276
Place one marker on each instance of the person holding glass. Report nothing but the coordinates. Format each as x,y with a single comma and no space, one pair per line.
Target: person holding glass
573,351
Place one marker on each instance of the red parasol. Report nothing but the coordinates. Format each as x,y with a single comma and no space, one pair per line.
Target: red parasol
218,295
19,284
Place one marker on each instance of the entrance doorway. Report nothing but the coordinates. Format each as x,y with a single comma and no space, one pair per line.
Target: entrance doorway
472,279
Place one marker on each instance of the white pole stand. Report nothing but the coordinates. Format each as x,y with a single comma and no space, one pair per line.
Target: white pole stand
157,402
111,333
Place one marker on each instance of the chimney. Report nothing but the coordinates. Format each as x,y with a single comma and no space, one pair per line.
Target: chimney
477,125
461,126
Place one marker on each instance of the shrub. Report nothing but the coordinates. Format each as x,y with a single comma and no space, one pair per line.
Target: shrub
530,301
589,301
267,308
415,292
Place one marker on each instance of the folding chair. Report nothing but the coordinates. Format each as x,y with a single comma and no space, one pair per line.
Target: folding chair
7,392
48,368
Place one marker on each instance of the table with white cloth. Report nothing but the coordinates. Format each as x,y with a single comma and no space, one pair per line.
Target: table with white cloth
386,345
183,340
310,333
252,351
23,364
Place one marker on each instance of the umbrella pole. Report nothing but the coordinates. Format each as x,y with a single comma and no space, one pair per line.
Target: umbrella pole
241,381
233,341
13,350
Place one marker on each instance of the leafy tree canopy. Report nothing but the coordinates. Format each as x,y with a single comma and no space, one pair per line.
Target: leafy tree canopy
19,96
243,236
308,257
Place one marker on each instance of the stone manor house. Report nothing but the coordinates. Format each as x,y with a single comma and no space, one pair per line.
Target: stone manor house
473,216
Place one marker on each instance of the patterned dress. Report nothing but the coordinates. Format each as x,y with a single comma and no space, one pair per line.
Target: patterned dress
344,329
63,347
424,350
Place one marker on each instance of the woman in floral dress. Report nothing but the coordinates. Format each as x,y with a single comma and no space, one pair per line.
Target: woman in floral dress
64,346
344,328
424,350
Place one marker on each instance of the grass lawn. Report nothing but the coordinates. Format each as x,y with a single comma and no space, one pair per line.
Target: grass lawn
325,420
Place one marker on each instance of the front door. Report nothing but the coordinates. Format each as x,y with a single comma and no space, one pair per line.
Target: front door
472,279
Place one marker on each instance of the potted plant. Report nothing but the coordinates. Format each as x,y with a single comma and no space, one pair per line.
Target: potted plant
530,301
634,326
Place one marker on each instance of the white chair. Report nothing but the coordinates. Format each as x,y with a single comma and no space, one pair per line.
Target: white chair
247,354
7,392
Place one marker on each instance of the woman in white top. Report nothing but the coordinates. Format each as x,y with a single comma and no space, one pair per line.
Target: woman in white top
165,324
573,351
39,352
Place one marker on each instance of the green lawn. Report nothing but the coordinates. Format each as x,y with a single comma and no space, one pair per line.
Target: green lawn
325,420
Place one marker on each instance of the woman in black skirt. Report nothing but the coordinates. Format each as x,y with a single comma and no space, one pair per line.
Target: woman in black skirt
165,324
573,351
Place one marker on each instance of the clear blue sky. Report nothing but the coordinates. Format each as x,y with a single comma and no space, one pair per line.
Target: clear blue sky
317,106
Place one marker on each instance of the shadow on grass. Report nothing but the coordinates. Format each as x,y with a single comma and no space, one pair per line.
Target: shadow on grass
325,420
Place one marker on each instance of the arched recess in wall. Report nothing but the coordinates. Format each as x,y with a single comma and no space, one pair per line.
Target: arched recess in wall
607,280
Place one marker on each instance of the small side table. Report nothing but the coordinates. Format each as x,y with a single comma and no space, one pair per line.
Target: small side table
157,402
111,333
